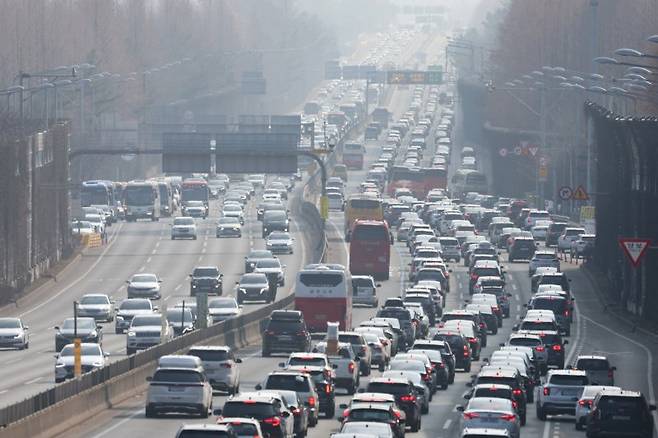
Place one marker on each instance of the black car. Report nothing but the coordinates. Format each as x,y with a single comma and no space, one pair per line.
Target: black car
624,413
255,286
446,353
459,345
405,397
87,331
286,332
523,248
553,343
206,279
253,257
269,412
275,221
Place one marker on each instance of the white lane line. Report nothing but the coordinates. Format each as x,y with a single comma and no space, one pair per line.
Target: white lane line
4,391
518,307
166,298
157,244
119,289
29,382
153,252
148,260
514,286
178,287
447,424
120,423
77,280
142,269
200,258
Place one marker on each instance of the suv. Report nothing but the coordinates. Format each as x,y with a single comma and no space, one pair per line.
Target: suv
286,332
484,268
543,258
275,420
522,248
624,413
206,279
405,396
446,354
220,365
598,369
459,345
302,383
360,348
569,235
184,390
561,392
556,304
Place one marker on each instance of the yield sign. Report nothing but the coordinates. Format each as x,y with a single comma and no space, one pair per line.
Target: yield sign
634,248
533,150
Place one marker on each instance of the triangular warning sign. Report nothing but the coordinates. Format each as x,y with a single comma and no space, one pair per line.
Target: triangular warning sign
634,248
580,194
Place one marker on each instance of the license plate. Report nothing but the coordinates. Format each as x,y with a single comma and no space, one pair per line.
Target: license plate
621,417
363,291
285,338
489,420
569,392
176,389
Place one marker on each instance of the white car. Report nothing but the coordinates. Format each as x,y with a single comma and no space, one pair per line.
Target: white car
280,242
144,286
183,227
97,221
81,228
569,235
223,308
195,209
233,211
146,331
185,390
561,392
539,232
221,366
92,357
491,413
13,334
97,306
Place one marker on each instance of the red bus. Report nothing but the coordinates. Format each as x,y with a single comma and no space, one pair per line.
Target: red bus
323,293
353,155
370,249
411,178
195,189
435,177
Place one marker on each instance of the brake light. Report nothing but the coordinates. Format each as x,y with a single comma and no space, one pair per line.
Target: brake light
515,405
585,403
547,391
539,349
474,277
471,415
408,398
482,325
273,421
425,377
227,365
508,417
516,392
397,414
327,388
472,340
311,402
557,347
466,351
295,411
495,309
350,367
611,373
346,413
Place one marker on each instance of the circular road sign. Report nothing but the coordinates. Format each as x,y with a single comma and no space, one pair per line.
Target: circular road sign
565,193
503,152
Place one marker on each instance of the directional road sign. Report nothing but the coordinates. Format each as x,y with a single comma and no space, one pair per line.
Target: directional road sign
503,152
634,248
565,193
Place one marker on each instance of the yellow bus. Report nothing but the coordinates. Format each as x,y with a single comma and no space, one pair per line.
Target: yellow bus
363,206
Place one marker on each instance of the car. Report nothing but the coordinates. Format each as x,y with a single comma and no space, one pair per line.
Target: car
360,348
554,231
504,375
365,429
491,413
97,306
92,357
228,227
253,257
405,396
582,246
475,335
522,248
494,390
280,242
275,221
543,259
184,390
444,349
273,269
128,309
624,413
569,235
376,413
561,392
303,384
195,209
587,399
144,286
146,331
243,427
364,290
206,279
484,268
183,227
286,331
181,320
459,345
87,330
548,302
180,361
220,365
299,410
14,334
268,407
254,286
233,211
345,365
223,430
223,308
598,369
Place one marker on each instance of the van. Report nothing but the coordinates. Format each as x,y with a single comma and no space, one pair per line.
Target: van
184,390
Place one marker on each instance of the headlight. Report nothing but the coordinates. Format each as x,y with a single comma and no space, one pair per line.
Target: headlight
243,290
59,365
93,334
18,336
193,286
131,333
265,289
97,364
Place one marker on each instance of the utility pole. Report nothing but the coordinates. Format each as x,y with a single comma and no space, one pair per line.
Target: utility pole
77,344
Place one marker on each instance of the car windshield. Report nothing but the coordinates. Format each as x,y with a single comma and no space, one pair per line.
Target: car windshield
268,263
9,323
94,299
558,306
407,365
259,254
253,279
146,320
537,325
525,342
178,376
135,305
144,278
593,364
232,208
223,303
205,272
83,323
362,282
86,350
179,315
183,221
541,256
388,388
275,235
275,216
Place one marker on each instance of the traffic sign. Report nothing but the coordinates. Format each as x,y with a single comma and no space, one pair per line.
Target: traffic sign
565,193
518,150
580,194
543,173
533,149
634,249
503,152
406,77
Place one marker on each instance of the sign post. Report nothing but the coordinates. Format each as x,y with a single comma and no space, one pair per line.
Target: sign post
634,248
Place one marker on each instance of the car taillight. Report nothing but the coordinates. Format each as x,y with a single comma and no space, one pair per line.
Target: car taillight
495,309
539,349
301,333
516,392
482,325
585,403
611,373
273,421
472,340
408,398
466,351
227,365
471,415
515,405
346,413
441,365
547,391
425,377
474,277
508,417
311,402
350,367
269,332
295,411
397,414
327,388
557,347
363,350
566,313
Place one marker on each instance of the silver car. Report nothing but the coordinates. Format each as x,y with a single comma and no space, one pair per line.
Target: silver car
97,306
220,365
92,357
184,390
183,227
130,308
228,227
587,399
147,331
13,334
144,286
491,413
272,268
280,242
223,308
364,290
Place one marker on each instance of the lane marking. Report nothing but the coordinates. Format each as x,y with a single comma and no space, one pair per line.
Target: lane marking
148,260
177,287
514,286
29,382
120,423
142,269
4,391
447,424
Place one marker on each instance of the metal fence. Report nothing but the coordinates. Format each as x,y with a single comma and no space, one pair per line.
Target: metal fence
626,203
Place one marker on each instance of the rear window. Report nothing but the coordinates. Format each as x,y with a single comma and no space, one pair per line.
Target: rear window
493,392
311,361
286,382
615,405
388,388
244,429
398,314
203,434
551,339
537,325
525,342
282,325
593,365
486,272
248,410
545,256
569,380
210,355
350,339
497,380
370,232
320,280
178,376
364,203
524,243
376,415
558,306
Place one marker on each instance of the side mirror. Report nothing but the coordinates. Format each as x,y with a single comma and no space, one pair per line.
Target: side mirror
238,360
613,368
285,414
56,327
258,387
502,344
469,384
343,406
106,354
449,270
565,342
217,412
378,285
361,390
459,408
467,396
159,281
26,327
652,407
340,419
127,281
515,327
334,366
282,364
99,327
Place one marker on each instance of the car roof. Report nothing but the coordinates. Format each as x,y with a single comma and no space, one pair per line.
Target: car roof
591,357
211,347
571,372
262,397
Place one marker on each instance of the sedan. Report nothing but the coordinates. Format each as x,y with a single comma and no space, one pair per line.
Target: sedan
13,334
97,306
233,211
221,309
144,286
183,226
92,357
195,209
280,242
229,227
272,268
491,413
85,329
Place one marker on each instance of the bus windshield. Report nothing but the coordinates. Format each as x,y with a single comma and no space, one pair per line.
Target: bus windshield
139,195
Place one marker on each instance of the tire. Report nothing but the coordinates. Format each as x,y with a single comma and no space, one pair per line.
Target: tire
467,368
331,411
531,396
523,419
382,367
58,380
117,331
416,426
266,353
451,379
541,415
579,426
130,351
444,386
495,331
204,412
351,388
365,371
194,238
149,412
425,409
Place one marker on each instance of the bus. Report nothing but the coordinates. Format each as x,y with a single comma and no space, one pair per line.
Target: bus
364,207
466,180
411,178
436,177
100,193
141,200
353,155
370,249
195,189
323,293
166,198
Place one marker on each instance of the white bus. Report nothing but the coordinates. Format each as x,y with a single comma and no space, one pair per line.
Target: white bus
141,200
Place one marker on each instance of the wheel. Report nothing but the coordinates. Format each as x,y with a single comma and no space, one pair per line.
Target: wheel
382,367
194,238
331,410
495,330
416,426
266,353
467,368
531,396
117,331
351,388
204,412
425,409
444,386
523,419
173,238
452,378
58,380
541,415
149,412
130,351
239,300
